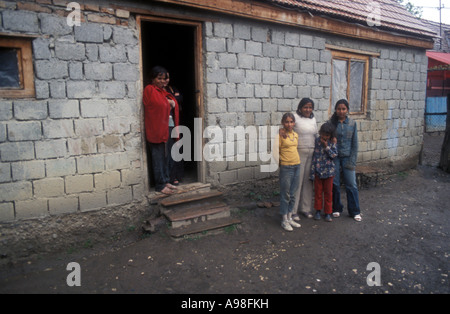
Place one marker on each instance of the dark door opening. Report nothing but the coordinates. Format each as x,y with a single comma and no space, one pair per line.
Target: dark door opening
172,46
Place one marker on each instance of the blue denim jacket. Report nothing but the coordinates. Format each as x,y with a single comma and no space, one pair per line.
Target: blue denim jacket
347,141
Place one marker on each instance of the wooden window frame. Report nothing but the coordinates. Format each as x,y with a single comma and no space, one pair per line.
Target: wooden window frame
348,56
25,67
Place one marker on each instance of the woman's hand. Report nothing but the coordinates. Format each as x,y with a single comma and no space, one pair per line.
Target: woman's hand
171,102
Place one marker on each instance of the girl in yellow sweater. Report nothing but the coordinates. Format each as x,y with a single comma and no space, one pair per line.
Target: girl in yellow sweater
289,171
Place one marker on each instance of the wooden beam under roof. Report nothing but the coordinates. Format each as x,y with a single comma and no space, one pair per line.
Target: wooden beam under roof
269,13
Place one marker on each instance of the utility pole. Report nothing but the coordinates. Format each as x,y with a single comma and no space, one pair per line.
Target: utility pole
440,25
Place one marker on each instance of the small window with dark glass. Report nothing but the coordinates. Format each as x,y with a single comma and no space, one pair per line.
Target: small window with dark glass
16,68
9,68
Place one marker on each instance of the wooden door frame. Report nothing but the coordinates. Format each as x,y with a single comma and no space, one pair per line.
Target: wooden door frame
198,60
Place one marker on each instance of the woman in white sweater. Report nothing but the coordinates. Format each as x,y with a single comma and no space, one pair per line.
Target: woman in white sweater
306,128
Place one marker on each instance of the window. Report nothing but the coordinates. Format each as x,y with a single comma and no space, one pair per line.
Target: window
350,75
16,68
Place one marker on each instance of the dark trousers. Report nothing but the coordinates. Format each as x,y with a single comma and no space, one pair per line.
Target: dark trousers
160,164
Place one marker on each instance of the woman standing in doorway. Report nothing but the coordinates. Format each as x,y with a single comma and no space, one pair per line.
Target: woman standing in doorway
161,116
347,142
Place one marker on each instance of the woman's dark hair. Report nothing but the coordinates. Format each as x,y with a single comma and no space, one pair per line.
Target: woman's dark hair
302,103
334,117
327,128
157,70
287,115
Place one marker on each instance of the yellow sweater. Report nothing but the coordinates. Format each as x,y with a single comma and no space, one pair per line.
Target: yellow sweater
288,149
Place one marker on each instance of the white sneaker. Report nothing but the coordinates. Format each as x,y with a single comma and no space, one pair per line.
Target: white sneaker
286,225
294,224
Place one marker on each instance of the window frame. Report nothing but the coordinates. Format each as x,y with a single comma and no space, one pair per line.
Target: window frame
25,67
348,56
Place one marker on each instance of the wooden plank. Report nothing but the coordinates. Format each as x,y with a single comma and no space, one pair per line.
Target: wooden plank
182,189
203,226
195,212
190,198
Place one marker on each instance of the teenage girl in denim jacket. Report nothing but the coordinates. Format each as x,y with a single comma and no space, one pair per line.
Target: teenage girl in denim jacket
347,142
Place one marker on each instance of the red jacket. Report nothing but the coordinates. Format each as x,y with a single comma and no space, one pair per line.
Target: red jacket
156,114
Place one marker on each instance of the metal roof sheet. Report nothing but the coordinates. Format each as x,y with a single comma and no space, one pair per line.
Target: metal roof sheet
393,16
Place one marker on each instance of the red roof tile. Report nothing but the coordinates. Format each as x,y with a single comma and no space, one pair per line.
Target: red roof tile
394,17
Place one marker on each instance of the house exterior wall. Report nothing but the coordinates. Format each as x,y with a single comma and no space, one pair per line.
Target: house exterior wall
78,146
256,72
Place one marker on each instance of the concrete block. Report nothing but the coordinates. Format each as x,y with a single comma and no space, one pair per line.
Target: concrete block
27,170
124,36
88,127
94,108
63,108
16,151
6,212
112,54
120,196
107,180
54,25
81,89
41,49
6,111
58,89
21,21
126,72
31,209
89,32
51,149
5,172
92,201
63,205
30,110
131,176
90,164
15,191
48,187
112,90
47,70
98,71
58,128
60,167
79,183
70,51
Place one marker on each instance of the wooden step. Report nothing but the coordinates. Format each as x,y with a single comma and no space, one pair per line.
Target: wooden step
183,189
172,201
194,210
203,226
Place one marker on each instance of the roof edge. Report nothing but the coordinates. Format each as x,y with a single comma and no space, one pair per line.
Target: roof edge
259,10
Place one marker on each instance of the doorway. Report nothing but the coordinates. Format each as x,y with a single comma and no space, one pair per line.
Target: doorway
176,46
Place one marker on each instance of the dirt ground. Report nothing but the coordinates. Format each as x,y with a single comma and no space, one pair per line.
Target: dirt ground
405,229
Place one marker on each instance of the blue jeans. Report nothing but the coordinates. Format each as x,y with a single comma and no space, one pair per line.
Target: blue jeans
289,181
351,188
160,163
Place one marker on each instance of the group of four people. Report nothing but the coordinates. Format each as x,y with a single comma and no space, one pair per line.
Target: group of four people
312,159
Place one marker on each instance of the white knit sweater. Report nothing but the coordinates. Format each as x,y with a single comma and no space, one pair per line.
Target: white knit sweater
307,131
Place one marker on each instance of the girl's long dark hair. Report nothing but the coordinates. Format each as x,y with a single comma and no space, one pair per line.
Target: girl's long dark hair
303,102
334,117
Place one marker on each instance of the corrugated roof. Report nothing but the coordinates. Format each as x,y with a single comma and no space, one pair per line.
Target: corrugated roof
393,16
439,56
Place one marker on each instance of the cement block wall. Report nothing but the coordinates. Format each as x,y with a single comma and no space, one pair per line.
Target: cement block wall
256,72
77,146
